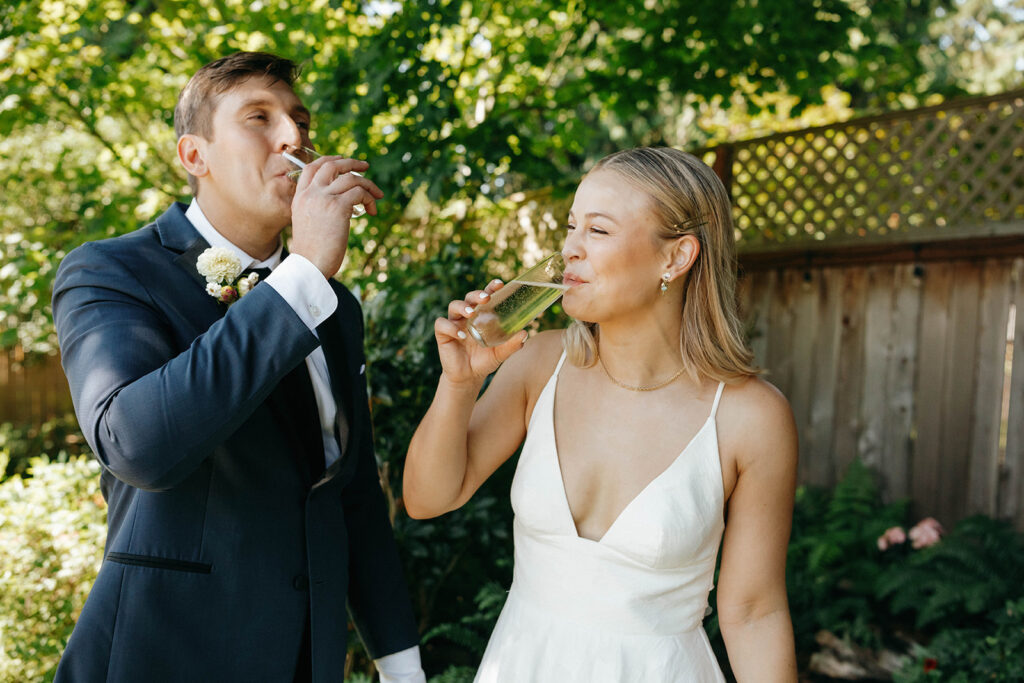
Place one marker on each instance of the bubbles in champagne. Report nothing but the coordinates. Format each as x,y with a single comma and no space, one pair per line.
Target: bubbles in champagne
511,309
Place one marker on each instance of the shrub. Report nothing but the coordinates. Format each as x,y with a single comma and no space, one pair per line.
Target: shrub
58,439
976,569
833,561
52,531
447,559
990,651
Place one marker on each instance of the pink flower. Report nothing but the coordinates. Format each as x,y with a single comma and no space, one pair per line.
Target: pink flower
894,535
228,294
926,533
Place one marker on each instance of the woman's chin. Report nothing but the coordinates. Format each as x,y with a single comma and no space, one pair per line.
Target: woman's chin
576,312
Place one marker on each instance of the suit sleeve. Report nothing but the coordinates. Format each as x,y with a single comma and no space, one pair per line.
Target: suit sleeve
152,410
378,595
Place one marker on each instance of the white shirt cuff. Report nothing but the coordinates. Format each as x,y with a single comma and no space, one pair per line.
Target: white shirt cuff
305,288
401,667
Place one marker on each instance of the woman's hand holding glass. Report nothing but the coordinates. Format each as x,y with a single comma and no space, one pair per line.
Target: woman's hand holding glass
463,360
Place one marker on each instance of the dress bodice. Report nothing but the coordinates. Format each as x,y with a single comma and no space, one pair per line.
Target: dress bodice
652,570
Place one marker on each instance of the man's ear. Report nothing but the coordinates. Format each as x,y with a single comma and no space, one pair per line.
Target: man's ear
682,256
192,154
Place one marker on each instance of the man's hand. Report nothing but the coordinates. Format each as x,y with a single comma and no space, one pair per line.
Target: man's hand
322,209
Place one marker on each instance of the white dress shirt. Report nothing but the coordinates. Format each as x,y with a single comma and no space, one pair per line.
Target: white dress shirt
305,289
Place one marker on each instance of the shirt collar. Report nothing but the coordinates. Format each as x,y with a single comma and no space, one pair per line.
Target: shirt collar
209,233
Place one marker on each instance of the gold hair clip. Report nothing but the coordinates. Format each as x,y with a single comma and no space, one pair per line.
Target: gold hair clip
691,223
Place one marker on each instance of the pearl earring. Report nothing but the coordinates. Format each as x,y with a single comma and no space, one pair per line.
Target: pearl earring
664,283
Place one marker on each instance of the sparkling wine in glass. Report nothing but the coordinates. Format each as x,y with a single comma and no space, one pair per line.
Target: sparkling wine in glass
518,303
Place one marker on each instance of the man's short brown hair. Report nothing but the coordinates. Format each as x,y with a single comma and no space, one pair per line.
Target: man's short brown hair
198,99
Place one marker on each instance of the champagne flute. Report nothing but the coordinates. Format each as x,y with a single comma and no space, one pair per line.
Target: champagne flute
303,156
518,303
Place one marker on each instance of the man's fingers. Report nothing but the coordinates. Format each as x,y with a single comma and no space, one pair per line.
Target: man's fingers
347,181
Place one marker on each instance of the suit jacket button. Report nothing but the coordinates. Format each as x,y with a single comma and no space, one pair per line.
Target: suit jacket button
300,582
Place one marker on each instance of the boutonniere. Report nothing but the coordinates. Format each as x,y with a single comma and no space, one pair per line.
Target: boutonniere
223,271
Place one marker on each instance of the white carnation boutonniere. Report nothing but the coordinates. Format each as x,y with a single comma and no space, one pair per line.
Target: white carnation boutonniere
223,273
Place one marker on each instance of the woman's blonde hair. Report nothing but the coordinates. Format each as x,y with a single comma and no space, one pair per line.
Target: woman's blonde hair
688,199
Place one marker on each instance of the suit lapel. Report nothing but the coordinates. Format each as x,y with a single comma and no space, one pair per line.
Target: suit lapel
183,241
187,260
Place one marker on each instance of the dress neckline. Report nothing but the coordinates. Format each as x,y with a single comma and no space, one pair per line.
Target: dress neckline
553,385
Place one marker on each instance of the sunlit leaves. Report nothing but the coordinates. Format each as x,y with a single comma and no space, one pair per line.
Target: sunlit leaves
465,103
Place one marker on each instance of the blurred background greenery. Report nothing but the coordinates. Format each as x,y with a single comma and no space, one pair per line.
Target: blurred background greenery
478,119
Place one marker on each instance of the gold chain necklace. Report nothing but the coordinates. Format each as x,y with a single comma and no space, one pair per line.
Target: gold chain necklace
649,387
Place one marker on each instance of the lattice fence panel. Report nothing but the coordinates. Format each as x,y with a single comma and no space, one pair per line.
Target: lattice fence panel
927,170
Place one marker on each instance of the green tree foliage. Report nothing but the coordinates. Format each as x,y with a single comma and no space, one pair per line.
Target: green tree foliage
466,108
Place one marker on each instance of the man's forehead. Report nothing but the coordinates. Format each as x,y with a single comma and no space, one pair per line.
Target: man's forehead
261,90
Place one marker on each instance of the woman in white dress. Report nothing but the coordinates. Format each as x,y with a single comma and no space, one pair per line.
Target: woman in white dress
652,445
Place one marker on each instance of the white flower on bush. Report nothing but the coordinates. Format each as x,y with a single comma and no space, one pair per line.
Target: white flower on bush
219,265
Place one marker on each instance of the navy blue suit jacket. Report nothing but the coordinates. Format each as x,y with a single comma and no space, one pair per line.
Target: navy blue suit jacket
219,541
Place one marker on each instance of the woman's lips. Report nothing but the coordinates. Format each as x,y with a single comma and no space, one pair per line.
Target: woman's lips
572,280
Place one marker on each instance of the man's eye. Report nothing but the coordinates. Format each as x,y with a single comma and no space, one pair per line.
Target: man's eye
302,125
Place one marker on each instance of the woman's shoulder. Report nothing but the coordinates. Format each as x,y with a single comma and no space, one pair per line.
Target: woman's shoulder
753,412
536,361
756,394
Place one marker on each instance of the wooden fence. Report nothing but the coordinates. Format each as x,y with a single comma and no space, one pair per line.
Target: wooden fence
909,366
881,264
31,390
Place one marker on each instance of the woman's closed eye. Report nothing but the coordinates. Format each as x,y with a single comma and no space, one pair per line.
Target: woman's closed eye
592,228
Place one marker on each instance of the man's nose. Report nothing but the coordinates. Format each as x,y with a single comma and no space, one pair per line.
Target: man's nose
289,134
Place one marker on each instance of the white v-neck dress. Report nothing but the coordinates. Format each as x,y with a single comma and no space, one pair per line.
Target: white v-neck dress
628,607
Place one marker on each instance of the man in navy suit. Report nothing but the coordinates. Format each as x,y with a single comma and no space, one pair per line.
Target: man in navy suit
245,511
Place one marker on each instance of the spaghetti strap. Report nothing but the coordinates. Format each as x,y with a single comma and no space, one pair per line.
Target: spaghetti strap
718,397
559,366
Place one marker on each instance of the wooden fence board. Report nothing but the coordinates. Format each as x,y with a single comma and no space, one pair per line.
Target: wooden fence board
778,356
1011,491
803,334
755,294
817,449
849,381
986,417
878,347
958,399
931,385
901,373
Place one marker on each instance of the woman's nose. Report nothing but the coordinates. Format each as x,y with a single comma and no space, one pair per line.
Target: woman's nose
571,249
